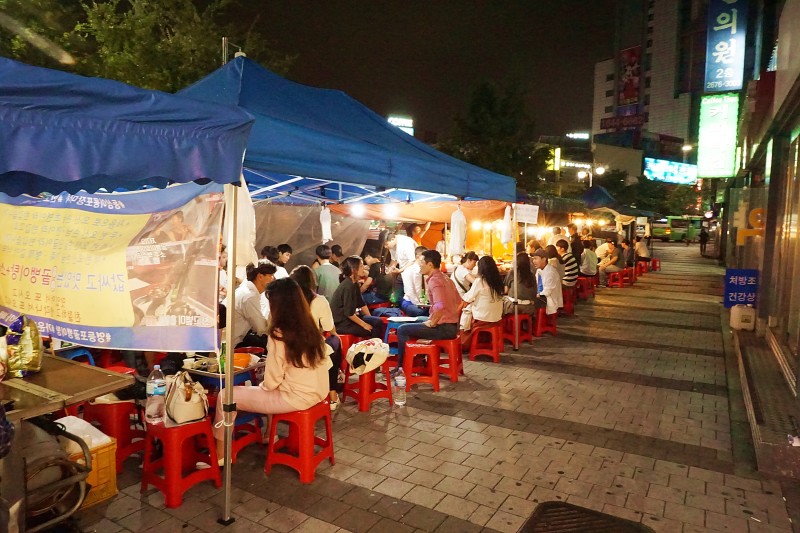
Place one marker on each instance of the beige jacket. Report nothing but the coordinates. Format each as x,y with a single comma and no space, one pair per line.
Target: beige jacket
299,387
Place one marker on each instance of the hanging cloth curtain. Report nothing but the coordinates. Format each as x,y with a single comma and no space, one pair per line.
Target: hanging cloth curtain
458,232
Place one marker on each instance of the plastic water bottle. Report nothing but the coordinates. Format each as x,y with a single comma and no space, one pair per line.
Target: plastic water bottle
399,388
156,387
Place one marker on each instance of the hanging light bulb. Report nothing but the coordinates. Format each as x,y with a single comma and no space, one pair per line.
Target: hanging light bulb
358,210
390,210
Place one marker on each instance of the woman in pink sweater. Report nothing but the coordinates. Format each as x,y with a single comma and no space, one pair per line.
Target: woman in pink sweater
296,373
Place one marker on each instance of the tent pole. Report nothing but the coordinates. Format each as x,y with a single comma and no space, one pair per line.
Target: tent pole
231,207
516,280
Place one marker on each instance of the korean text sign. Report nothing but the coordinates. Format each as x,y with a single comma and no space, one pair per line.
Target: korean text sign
725,45
132,270
741,286
716,143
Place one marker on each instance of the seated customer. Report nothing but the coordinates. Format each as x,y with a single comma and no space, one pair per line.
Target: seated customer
485,297
526,288
463,276
249,323
570,264
588,259
377,288
413,288
612,263
627,253
548,284
327,274
347,301
641,250
446,305
296,373
323,317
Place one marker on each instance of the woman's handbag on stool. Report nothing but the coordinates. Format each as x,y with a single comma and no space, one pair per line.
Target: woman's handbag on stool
186,400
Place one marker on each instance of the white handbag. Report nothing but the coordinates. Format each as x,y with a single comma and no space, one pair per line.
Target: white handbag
186,400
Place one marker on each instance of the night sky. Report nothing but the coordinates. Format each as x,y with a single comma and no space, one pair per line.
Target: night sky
423,58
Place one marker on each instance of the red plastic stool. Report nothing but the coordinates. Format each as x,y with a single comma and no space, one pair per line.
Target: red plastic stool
107,358
246,428
379,305
525,324
114,420
627,276
367,389
429,373
300,442
615,279
180,445
596,280
569,296
490,348
347,341
584,288
450,362
655,264
545,323
642,267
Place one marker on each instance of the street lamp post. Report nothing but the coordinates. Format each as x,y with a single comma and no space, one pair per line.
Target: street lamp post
686,148
590,173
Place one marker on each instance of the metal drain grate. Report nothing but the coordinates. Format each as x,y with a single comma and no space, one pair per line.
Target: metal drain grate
559,516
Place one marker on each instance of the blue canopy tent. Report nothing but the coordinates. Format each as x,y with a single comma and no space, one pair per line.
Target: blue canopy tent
62,132
313,145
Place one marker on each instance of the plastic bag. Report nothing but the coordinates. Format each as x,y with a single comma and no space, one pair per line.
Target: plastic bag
25,347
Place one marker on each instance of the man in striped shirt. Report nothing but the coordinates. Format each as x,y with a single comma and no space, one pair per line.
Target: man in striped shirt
570,264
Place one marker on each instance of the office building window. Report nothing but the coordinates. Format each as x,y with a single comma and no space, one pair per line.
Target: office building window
647,99
610,92
647,82
609,109
610,77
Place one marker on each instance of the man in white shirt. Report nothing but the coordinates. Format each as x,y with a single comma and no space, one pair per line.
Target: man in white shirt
548,284
412,287
403,249
249,324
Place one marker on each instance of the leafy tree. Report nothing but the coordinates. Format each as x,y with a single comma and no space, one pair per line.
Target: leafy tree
155,44
497,134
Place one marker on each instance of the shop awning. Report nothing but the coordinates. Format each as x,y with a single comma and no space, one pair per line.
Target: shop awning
311,145
63,132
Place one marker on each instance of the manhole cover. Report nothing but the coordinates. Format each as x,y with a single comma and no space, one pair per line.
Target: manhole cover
560,516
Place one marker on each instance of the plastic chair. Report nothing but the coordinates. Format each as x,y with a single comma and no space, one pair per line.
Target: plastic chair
655,264
584,288
545,323
367,389
642,267
490,348
114,420
525,323
427,373
628,276
77,353
569,295
615,279
450,362
299,444
181,447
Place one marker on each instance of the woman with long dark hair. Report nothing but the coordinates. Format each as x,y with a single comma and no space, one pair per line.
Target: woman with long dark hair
296,373
347,303
555,260
526,287
485,298
323,317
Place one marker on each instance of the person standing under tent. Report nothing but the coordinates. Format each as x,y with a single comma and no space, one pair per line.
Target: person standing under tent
417,232
296,372
272,254
327,274
337,255
446,305
575,242
402,248
346,303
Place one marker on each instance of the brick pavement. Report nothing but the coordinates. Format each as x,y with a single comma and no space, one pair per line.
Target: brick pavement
627,411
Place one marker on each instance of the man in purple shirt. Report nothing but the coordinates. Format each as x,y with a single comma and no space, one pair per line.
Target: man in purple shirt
445,310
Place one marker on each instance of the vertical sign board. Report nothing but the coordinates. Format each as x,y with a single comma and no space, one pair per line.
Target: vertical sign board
725,45
628,81
741,286
716,143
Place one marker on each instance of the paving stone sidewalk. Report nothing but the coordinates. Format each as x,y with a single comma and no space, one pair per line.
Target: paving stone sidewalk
628,411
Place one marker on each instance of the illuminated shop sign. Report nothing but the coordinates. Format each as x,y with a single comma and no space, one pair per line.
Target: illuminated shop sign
669,171
725,45
404,123
716,146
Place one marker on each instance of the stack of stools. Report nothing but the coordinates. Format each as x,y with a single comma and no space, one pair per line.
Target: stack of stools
655,264
488,341
421,373
296,450
183,447
545,323
450,362
114,420
615,279
367,389
584,288
525,325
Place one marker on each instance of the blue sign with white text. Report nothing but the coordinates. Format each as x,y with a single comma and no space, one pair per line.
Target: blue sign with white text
741,286
725,45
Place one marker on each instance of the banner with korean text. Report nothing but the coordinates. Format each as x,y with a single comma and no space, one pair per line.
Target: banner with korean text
725,45
136,270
